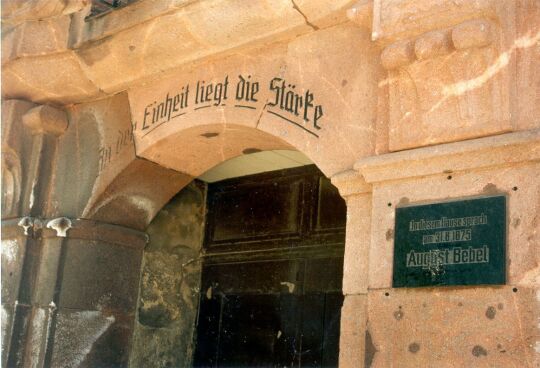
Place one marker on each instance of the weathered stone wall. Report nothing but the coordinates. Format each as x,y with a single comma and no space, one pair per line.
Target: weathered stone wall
432,99
170,281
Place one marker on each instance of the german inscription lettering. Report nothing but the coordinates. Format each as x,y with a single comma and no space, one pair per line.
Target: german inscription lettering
284,101
451,243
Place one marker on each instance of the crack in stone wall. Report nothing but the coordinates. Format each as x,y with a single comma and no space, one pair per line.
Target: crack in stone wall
295,6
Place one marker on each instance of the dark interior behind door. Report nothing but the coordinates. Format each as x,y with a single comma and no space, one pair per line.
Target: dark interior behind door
271,282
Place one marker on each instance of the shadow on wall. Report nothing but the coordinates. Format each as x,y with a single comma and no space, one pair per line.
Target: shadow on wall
170,283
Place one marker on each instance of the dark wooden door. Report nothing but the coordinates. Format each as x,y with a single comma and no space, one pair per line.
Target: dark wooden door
273,264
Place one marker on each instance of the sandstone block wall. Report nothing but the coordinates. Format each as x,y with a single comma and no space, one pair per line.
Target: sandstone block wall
417,101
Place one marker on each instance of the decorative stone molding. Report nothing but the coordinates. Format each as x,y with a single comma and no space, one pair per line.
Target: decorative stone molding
357,193
466,87
35,38
14,11
350,183
61,225
405,19
501,150
398,54
45,119
476,33
361,14
26,223
109,53
78,229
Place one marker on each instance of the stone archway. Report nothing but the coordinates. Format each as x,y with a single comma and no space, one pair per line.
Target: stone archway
174,135
186,152
285,95
112,174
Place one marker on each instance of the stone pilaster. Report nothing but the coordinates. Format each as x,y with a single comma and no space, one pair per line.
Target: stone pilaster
70,286
491,326
354,346
72,292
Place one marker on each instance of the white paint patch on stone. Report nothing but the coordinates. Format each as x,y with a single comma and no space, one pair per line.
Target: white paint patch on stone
289,285
10,249
32,197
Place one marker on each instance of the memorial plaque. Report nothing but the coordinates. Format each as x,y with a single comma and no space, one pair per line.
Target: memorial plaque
451,243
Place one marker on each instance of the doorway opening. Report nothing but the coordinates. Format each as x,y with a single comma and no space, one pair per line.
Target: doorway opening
244,268
272,271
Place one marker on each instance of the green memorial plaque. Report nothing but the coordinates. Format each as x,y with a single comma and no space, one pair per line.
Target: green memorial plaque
451,243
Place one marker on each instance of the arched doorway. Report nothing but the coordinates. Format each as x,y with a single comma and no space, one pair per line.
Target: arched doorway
270,263
172,154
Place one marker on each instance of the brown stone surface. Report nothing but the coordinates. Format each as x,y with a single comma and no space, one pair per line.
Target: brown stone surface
346,95
322,13
475,33
527,71
14,11
223,120
46,120
170,283
91,338
193,32
464,88
432,44
33,38
357,244
54,77
405,18
400,75
465,327
122,18
13,250
354,341
97,146
206,146
141,41
463,83
137,194
106,181
397,55
100,276
502,150
350,183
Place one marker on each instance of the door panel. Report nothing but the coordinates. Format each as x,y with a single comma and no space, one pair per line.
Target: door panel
271,279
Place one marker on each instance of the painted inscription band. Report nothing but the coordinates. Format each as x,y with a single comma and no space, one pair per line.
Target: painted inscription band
285,102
